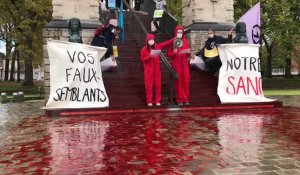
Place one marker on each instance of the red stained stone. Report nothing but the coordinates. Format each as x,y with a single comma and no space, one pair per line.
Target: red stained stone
151,143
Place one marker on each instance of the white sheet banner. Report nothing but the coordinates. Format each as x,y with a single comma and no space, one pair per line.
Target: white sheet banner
240,74
75,76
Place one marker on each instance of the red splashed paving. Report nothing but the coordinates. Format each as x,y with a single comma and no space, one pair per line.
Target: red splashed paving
203,142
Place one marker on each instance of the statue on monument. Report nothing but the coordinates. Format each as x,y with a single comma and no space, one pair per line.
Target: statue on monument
241,33
75,30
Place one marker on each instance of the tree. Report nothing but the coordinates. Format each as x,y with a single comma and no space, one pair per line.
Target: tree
7,35
281,29
278,28
29,18
175,8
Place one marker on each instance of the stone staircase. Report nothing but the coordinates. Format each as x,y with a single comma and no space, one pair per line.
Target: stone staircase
125,85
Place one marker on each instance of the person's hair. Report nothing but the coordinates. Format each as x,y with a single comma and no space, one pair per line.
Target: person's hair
119,28
211,29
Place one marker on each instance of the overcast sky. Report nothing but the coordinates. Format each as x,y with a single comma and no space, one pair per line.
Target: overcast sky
2,46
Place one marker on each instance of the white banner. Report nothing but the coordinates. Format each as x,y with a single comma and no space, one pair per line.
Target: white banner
75,76
240,74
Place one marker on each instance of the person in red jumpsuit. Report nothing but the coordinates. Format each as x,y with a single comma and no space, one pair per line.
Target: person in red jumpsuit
179,57
152,72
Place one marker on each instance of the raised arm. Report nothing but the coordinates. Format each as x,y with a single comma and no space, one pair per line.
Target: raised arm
165,44
223,40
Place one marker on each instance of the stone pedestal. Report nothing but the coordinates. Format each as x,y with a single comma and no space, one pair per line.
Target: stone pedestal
63,10
82,9
200,15
220,11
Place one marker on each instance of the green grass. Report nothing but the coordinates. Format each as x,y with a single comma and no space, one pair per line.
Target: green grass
10,87
282,92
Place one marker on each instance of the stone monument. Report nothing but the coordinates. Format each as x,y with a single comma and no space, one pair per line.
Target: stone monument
241,33
75,30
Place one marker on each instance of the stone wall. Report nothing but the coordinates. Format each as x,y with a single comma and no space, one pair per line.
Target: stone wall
197,39
59,33
220,11
200,15
197,33
63,10
82,9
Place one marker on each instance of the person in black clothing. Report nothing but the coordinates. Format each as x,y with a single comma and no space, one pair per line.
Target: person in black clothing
138,4
118,3
105,36
157,18
209,52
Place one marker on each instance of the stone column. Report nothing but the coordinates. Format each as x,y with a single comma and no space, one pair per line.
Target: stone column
200,15
131,3
63,10
82,9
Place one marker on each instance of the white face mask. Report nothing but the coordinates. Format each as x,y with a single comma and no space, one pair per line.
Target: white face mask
210,35
151,42
179,35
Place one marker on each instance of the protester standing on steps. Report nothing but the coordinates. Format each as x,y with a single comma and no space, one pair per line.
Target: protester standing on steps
115,2
105,36
102,4
152,73
113,6
158,13
179,54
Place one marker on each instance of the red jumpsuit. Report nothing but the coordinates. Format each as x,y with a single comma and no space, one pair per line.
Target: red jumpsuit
181,66
152,72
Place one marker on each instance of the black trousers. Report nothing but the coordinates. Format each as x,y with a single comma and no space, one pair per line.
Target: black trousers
155,22
213,64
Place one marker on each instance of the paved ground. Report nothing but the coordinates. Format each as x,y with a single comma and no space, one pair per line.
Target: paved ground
264,142
288,100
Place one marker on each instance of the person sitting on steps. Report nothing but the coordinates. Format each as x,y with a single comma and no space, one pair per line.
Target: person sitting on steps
209,52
